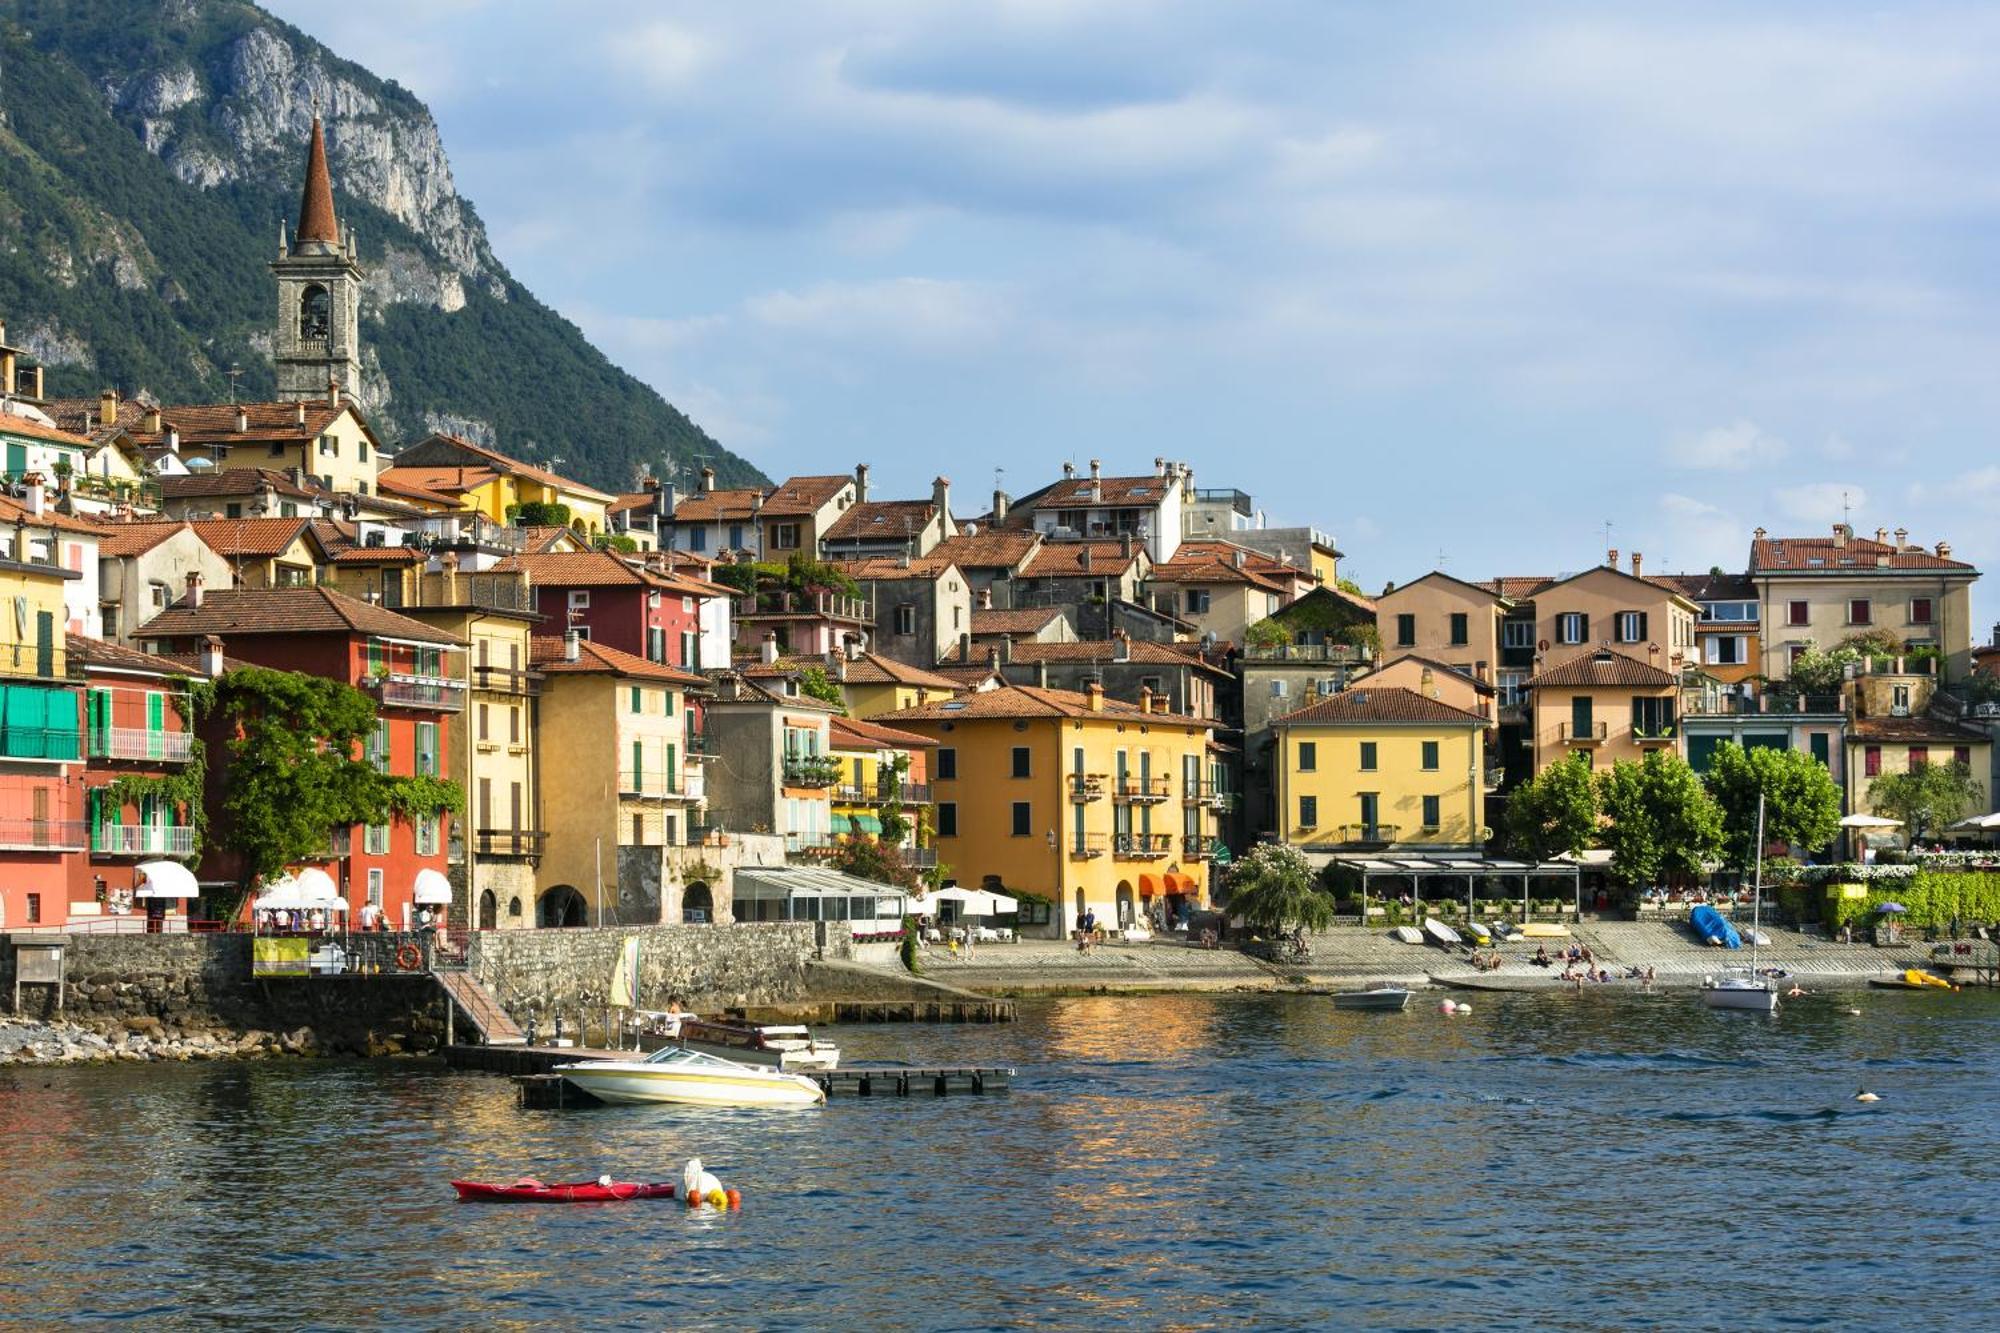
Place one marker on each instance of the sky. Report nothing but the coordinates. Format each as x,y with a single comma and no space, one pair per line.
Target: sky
1458,283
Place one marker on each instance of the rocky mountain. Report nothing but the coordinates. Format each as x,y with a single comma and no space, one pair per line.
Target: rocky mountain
147,154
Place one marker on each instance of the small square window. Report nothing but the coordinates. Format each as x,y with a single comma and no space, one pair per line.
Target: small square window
1308,756
1430,756
1859,612
1368,756
1798,613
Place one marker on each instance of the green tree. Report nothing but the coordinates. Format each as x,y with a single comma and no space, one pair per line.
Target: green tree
1816,672
1663,823
1926,798
867,858
817,684
1801,800
1554,813
1274,888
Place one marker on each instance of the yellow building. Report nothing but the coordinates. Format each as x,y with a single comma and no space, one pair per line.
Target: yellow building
1606,705
1880,746
620,788
488,482
1381,767
1085,802
870,684
877,762
493,751
328,439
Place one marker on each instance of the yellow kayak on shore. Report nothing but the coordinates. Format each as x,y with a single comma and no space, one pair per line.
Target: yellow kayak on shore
1916,976
1545,930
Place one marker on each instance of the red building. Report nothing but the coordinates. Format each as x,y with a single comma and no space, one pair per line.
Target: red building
136,743
656,616
415,674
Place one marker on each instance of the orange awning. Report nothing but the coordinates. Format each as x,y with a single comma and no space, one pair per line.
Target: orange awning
1150,885
1180,883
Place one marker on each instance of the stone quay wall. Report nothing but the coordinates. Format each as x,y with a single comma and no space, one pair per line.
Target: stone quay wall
536,974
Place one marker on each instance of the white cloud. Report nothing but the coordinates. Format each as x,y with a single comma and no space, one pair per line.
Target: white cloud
661,56
1695,534
1821,503
1730,448
923,312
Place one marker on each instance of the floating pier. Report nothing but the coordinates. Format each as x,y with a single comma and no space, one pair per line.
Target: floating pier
537,1085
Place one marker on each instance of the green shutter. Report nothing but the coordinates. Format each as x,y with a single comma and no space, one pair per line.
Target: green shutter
673,769
156,725
1822,748
64,724
638,766
45,643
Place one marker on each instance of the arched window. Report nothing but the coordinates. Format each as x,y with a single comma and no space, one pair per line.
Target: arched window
316,314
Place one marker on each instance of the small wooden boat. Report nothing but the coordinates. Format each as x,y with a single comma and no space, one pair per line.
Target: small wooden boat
1440,933
1481,935
1382,999
1407,934
530,1190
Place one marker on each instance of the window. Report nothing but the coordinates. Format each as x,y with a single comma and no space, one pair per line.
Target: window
1511,689
1406,631
1920,757
329,447
698,539
1572,627
638,700
514,724
1920,610
1368,756
1859,612
785,536
1962,755
1822,748
1308,812
1308,756
1278,689
736,536
375,839
1461,629
1517,634
375,749
1430,756
1023,819
656,644
579,599
906,618
1797,613
232,510
947,763
1581,722
1871,761
947,819
427,835
427,748
34,908
1733,611
1197,600
1726,650
1431,812
1631,627
362,446
1653,717
1021,761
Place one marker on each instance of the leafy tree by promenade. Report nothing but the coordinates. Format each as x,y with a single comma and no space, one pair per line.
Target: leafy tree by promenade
1926,798
1801,800
867,858
1554,813
1663,824
1274,889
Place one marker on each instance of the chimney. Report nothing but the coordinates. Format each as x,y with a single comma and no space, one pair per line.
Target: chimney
242,421
1083,560
965,647
107,407
1006,647
1902,538
1881,536
150,423
941,494
852,642
666,500
769,651
999,506
448,569
1638,565
299,413
861,483
986,598
1042,672
1096,470
1093,695
572,646
1611,558
1841,532
1121,646
707,480
1427,685
1069,471
1943,549
1125,545
1145,698
992,657
211,653
1236,557
333,393
194,582
173,439
267,496
1159,467
1758,534
38,497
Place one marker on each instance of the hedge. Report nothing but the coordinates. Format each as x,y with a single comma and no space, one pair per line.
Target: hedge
1935,898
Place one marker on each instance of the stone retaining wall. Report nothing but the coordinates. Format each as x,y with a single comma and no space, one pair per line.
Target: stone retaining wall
543,972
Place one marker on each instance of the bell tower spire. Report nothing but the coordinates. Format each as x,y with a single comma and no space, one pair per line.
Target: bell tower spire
317,341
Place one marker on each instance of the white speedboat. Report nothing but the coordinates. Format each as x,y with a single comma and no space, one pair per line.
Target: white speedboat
1740,988
691,1078
791,1047
1382,999
1440,933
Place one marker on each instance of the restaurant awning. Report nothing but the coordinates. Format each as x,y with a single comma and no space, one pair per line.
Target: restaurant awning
1149,885
431,889
165,879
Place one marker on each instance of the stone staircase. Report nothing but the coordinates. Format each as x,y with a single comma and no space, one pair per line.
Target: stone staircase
480,1009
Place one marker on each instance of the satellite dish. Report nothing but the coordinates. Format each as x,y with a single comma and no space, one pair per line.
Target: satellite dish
200,462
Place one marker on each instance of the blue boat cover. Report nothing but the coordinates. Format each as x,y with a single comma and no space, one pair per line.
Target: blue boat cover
1709,925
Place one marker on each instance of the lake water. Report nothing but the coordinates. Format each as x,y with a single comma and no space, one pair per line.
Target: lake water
1593,1161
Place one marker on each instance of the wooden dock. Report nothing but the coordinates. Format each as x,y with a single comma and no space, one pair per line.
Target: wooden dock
536,1084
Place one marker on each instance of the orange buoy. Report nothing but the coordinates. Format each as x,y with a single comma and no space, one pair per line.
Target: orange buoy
735,1198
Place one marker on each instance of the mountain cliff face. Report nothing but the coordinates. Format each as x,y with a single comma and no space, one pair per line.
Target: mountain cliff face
147,154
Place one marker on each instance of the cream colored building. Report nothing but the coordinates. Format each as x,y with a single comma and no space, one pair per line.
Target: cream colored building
1444,619
1605,608
144,567
325,439
1606,705
1815,592
1434,679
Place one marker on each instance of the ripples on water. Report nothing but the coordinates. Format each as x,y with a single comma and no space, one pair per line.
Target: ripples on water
1550,1161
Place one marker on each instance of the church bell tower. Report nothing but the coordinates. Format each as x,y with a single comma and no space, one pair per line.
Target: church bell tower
317,342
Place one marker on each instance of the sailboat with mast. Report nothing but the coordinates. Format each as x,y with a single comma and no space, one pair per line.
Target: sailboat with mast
1747,987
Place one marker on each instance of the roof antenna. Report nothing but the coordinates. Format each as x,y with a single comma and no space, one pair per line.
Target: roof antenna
1607,534
233,374
1846,511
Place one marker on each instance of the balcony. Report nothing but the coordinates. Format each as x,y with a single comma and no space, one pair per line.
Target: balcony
1085,787
1591,733
1141,846
911,793
808,845
141,840
654,784
506,680
1197,846
807,605
40,744
1377,835
43,835
699,746
923,858
435,693
811,770
509,842
339,846
1657,739
1345,653
1142,791
1236,500
142,743
1202,792
1769,705
1085,846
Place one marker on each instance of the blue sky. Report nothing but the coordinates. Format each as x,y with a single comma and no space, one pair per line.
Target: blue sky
1463,279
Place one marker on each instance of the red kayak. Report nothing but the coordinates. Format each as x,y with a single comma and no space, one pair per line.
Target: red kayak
583,1191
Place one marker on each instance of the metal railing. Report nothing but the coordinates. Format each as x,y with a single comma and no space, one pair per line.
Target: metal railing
1086,786
509,842
1197,846
447,696
1735,705
812,770
1141,846
1131,790
1376,832
43,834
139,839
170,747
1085,846
506,680
832,606
807,844
649,782
1202,791
923,858
1589,734
1308,652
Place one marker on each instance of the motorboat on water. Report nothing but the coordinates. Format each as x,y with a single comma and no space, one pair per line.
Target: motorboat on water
1740,988
779,1046
692,1078
1381,999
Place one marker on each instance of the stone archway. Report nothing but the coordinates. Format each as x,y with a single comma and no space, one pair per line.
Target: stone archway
489,910
1080,909
1125,908
697,904
561,906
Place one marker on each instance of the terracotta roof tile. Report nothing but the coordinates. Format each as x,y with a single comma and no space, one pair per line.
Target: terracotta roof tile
513,467
1083,493
1516,587
1219,571
310,610
574,569
882,520
445,483
13,423
716,506
1457,672
1818,555
316,220
799,496
1362,706
890,568
215,423
98,652
1915,729
1604,668
866,669
263,538
117,540
235,481
548,654
987,549
14,512
1029,701
1065,559
1022,620
853,733
1097,650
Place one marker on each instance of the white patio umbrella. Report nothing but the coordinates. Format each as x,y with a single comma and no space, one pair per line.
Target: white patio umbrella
431,889
980,902
165,879
1978,822
1869,821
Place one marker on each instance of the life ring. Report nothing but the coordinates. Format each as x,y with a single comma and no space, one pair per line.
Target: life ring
409,958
